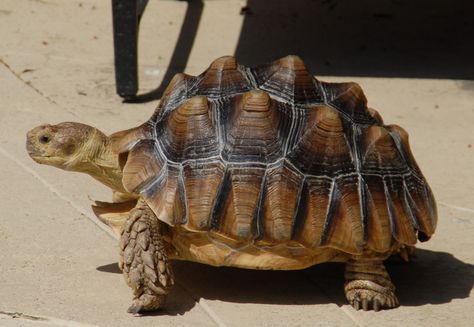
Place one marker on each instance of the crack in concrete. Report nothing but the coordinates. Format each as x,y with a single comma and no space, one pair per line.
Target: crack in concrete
21,315
30,85
42,320
452,206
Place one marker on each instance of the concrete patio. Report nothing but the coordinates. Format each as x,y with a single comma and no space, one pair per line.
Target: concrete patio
59,265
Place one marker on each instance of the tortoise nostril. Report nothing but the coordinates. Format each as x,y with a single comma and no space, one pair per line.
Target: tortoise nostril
44,139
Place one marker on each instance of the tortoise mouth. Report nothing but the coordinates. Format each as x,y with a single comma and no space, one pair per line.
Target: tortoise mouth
34,147
39,159
31,148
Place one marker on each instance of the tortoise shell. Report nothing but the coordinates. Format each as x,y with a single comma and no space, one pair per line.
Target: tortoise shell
270,156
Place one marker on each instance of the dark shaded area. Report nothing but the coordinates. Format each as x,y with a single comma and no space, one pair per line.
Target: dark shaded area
431,278
110,268
380,38
126,16
181,52
376,38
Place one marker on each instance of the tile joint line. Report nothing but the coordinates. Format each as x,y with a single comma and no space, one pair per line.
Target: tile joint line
40,320
30,85
451,206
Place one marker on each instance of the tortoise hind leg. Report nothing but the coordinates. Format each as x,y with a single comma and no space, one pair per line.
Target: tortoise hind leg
368,285
143,260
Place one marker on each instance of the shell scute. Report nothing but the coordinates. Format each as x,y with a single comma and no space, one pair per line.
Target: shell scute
323,149
224,77
201,182
380,153
283,185
350,100
378,234
315,200
421,206
400,139
343,225
166,196
189,132
237,218
251,129
288,79
143,164
402,228
177,91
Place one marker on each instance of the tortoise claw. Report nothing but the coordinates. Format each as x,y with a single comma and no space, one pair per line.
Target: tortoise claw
145,304
135,309
356,304
367,295
366,300
365,304
377,305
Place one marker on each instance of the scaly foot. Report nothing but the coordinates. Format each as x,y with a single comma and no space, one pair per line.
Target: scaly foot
367,295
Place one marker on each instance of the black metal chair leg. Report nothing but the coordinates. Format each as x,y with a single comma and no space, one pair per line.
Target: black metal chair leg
126,17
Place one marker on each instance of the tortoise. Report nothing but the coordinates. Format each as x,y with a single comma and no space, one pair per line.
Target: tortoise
259,168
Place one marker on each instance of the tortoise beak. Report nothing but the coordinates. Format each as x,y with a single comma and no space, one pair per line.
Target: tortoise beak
35,138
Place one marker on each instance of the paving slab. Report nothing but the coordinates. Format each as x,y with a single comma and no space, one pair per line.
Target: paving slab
60,269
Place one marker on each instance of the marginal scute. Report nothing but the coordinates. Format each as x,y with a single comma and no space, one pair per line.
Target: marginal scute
377,224
288,78
113,215
201,183
189,132
280,202
237,218
143,165
313,210
421,207
418,195
123,141
402,227
343,226
166,196
251,129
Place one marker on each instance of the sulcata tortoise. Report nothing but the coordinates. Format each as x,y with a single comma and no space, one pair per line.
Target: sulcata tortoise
260,168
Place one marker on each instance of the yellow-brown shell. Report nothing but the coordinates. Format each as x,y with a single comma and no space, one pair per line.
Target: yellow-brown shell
270,156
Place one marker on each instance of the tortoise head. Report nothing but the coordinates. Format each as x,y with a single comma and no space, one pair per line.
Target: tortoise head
76,147
64,145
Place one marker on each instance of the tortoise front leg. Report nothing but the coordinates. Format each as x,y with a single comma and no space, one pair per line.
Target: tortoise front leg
368,285
143,260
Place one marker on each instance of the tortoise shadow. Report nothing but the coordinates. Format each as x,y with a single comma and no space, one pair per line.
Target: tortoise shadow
431,278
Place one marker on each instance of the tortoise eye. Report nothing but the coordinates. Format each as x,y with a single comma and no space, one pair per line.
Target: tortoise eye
44,139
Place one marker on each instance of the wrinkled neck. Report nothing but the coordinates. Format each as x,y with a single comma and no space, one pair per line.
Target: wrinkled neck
97,159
